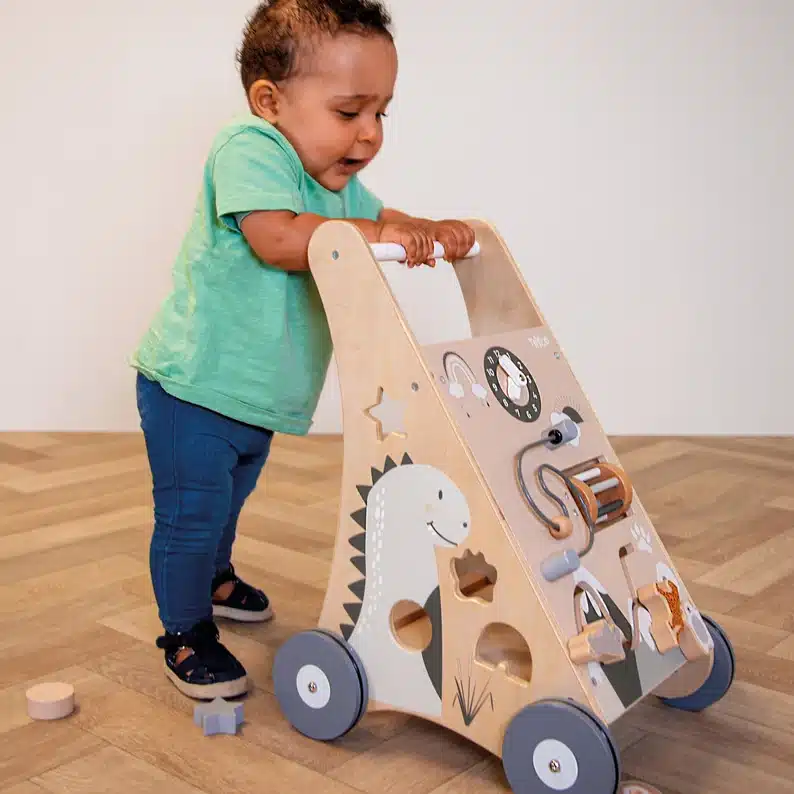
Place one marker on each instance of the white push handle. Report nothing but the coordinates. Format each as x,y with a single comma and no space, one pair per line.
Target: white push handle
394,252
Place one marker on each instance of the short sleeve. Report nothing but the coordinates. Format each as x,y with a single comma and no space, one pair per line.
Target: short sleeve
365,204
253,171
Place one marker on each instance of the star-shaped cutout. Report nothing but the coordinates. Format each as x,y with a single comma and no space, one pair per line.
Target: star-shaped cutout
218,716
388,415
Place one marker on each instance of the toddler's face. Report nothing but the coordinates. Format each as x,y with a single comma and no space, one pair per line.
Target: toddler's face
331,110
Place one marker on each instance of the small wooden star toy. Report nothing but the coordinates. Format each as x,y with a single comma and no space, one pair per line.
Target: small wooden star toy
218,716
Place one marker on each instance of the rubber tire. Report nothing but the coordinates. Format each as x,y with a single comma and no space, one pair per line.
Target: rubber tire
347,692
581,733
716,686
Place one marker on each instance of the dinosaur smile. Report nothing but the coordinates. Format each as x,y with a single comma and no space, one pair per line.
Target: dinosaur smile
432,526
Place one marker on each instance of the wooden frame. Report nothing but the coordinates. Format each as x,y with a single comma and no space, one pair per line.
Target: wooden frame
466,635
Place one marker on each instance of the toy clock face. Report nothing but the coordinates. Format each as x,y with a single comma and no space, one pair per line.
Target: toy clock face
512,384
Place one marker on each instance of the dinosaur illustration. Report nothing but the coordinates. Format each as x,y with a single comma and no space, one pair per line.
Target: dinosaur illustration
409,510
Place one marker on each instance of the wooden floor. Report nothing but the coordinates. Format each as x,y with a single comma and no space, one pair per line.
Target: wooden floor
76,606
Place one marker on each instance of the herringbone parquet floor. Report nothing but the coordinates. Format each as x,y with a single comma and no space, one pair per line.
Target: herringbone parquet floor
76,605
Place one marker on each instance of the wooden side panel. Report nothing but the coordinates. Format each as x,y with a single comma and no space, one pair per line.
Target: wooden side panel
438,637
497,420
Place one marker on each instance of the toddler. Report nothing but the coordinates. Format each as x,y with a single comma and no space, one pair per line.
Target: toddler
240,348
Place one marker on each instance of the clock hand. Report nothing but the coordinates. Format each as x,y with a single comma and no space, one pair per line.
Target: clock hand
513,372
513,389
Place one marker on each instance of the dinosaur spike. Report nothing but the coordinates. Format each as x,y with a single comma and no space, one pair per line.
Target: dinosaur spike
376,475
357,588
406,459
354,610
364,491
346,630
361,563
360,517
389,464
359,542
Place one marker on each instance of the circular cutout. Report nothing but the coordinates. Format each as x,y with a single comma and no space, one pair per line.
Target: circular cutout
411,625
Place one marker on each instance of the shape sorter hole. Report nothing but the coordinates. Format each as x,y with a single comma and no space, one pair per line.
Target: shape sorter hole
474,577
502,647
411,625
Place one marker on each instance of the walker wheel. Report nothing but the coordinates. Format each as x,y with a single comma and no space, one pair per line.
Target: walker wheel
559,745
720,680
320,684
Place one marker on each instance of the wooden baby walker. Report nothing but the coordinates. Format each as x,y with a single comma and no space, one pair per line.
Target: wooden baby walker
494,570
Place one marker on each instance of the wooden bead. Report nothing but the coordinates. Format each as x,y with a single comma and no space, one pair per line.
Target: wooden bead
52,701
564,527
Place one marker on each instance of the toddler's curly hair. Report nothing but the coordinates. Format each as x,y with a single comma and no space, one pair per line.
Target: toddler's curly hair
278,29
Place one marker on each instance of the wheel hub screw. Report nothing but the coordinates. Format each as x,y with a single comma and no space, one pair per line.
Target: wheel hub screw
555,767
312,687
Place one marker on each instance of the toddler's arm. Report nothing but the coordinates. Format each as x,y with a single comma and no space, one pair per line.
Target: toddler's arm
281,238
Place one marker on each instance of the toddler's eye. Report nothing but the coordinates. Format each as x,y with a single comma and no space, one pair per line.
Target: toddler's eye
347,115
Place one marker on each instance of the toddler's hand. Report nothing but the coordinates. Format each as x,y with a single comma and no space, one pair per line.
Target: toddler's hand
456,237
417,242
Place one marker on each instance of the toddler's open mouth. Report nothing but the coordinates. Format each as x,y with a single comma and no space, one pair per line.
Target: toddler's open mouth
352,163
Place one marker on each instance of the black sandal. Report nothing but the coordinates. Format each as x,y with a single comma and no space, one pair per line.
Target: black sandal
210,671
245,603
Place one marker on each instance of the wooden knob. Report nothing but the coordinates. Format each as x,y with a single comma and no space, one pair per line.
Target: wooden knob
50,701
635,787
564,527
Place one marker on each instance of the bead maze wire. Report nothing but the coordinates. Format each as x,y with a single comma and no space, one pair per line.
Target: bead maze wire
554,438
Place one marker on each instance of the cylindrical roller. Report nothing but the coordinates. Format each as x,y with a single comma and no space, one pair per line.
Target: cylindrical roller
589,474
605,485
604,510
51,701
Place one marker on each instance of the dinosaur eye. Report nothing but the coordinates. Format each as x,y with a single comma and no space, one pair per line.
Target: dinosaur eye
440,494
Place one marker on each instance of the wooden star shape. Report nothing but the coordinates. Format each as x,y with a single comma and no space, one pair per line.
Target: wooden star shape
218,716
388,415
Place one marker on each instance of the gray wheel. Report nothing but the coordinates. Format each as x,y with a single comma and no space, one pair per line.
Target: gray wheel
720,680
320,684
558,745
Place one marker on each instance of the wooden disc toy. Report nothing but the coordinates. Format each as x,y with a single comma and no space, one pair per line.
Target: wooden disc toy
636,787
50,701
494,570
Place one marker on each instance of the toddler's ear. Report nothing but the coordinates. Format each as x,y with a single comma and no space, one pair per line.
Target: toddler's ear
264,98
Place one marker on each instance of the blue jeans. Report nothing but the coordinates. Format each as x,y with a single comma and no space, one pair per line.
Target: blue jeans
204,466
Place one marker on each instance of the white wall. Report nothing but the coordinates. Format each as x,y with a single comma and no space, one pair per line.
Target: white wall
636,156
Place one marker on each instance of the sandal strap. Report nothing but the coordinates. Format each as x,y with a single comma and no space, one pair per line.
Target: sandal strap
241,591
222,577
202,637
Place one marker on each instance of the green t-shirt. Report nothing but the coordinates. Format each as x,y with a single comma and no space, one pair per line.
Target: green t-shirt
236,335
